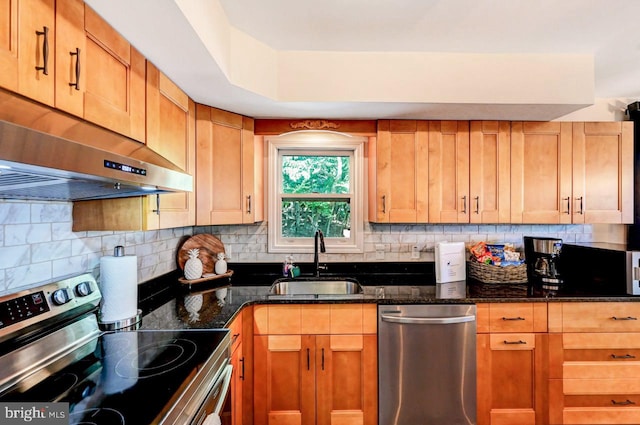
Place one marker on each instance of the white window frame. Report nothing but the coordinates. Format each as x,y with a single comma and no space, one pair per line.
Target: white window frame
315,143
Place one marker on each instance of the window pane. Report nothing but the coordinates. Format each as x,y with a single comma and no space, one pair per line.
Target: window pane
315,174
300,219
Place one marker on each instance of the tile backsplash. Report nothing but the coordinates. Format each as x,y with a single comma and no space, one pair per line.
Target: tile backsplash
38,245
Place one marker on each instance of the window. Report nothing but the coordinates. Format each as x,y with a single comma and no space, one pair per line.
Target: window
315,182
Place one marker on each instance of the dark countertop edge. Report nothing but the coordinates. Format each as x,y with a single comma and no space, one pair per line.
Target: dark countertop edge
421,300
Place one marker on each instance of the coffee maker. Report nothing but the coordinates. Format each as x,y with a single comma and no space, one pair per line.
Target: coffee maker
542,256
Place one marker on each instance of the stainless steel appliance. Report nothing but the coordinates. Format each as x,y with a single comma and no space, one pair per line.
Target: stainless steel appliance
601,268
427,364
542,256
51,350
48,155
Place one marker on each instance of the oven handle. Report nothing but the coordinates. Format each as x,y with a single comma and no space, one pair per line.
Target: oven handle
223,383
218,393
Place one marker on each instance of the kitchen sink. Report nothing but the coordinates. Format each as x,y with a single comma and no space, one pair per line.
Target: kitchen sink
316,287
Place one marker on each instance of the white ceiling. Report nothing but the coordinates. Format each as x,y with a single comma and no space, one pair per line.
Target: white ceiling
202,60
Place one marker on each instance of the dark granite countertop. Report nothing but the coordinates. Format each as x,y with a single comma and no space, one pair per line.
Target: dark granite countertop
174,312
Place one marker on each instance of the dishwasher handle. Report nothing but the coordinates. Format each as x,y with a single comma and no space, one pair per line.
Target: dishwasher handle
428,320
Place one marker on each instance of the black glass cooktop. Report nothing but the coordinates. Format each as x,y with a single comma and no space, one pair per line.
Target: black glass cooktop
122,378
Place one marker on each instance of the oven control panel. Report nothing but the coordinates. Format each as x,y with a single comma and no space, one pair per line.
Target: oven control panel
24,308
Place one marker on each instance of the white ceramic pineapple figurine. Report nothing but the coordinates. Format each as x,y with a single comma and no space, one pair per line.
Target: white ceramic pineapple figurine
193,266
221,264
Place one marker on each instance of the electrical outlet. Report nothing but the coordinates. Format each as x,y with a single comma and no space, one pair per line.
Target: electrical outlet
415,252
379,252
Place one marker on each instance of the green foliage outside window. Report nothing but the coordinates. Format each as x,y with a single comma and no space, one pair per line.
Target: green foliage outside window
311,174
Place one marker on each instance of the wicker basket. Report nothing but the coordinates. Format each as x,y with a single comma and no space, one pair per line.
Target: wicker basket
488,273
487,280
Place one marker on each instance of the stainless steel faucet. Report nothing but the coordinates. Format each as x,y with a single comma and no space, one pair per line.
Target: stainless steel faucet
319,236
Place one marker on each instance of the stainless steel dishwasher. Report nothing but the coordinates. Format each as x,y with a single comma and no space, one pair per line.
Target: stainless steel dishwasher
427,364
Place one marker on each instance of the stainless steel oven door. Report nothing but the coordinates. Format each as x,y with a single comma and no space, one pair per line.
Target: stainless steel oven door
216,400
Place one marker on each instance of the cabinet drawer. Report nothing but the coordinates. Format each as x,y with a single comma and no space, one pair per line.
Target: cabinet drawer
608,401
601,317
598,415
517,317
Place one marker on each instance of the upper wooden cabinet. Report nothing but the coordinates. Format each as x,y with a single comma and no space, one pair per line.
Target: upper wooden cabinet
9,44
602,172
489,172
70,57
448,171
229,168
398,172
566,172
115,80
171,132
36,48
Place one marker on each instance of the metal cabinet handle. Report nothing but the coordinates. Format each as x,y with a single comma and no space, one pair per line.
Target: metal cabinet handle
308,360
622,403
568,199
514,342
581,210
626,356
464,204
323,359
45,50
76,85
513,318
428,320
249,204
384,204
234,337
242,368
477,198
157,210
624,318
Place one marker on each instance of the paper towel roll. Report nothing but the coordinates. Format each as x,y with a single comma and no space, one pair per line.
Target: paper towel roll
119,287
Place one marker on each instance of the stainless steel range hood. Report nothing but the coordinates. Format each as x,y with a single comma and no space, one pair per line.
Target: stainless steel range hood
89,163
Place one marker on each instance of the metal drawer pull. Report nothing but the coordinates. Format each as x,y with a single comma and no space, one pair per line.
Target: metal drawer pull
234,337
626,356
323,359
513,318
624,318
622,403
520,342
242,369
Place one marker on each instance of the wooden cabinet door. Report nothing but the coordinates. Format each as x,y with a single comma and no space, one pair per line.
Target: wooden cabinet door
490,172
346,370
541,161
70,57
401,172
237,384
284,379
115,80
602,172
171,133
36,50
226,160
449,171
512,379
9,44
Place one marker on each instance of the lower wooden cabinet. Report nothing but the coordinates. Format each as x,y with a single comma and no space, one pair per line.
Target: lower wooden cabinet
512,347
315,364
315,379
594,366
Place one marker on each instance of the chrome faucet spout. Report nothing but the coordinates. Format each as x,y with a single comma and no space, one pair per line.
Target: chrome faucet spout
318,245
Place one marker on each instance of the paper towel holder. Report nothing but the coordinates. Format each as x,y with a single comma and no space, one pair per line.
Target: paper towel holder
129,324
